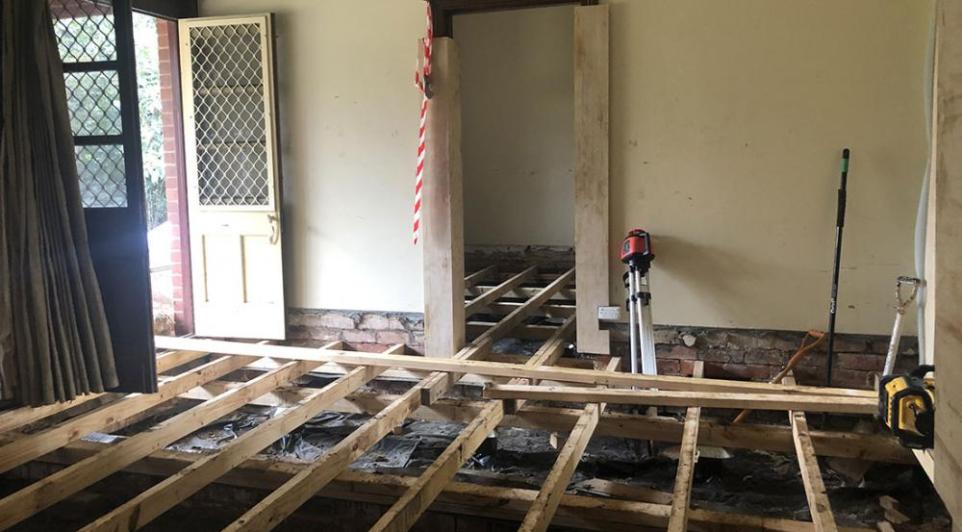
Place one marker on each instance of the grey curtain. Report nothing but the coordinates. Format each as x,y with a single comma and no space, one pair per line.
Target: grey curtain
54,340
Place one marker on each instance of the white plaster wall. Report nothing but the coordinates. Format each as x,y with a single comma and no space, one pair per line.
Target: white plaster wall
348,118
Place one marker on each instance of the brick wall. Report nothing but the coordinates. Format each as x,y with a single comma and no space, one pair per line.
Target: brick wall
360,330
175,175
759,355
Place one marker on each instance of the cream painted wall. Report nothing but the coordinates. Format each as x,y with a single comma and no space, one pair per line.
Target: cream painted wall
726,123
727,119
518,124
348,122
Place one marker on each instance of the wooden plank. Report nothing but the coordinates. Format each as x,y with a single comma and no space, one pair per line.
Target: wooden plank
287,498
687,456
416,500
546,355
480,275
437,385
543,508
592,252
418,497
757,401
173,359
499,369
476,328
503,308
593,513
566,294
945,287
147,506
40,495
818,503
442,220
492,295
18,417
113,414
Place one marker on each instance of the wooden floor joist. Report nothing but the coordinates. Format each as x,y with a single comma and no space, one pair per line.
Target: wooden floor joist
415,501
39,495
113,414
145,507
754,401
687,456
490,296
818,503
592,513
496,369
546,503
480,275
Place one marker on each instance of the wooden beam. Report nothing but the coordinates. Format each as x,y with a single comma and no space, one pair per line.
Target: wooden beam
592,513
492,295
287,498
416,500
113,414
402,515
25,415
687,456
439,384
173,359
499,369
40,495
756,401
475,329
147,506
944,289
568,293
818,503
480,275
442,222
503,308
545,505
592,251
546,355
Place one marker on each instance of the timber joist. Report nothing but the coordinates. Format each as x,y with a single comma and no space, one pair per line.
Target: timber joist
55,434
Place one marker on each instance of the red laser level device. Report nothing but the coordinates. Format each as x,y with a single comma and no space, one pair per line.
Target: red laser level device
636,249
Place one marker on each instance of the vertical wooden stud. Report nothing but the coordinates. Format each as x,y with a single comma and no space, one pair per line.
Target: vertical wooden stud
591,173
442,212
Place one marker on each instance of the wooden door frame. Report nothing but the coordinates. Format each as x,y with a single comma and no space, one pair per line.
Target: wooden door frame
444,248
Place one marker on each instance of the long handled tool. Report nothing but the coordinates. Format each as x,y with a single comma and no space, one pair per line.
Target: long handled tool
901,304
839,225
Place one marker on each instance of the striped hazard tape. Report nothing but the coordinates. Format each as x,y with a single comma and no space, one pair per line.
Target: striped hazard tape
422,78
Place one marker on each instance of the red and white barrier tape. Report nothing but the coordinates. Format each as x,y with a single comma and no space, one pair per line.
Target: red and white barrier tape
422,77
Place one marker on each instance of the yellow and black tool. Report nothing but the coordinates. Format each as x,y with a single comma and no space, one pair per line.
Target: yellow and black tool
907,406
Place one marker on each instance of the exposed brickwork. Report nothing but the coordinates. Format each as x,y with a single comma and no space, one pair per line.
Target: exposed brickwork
758,355
174,174
517,258
360,330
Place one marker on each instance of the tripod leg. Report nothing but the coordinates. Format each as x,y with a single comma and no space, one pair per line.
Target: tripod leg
633,322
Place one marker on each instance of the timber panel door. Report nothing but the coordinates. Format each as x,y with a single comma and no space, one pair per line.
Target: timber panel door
232,176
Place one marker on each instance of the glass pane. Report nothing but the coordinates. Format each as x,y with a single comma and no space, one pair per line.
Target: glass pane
94,102
102,181
229,120
84,29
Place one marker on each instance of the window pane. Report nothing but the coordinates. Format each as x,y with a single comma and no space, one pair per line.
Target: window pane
102,180
94,102
84,29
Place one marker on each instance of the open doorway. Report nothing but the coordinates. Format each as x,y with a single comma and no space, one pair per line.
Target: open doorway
518,146
155,41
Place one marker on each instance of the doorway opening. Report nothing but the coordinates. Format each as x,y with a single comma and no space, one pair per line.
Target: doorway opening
158,88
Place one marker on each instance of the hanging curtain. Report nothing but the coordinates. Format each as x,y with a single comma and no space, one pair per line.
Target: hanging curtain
54,340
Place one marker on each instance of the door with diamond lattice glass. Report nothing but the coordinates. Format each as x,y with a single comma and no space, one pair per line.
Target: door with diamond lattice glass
232,176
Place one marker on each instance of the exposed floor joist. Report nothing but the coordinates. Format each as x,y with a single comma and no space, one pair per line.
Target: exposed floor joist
687,456
544,506
818,504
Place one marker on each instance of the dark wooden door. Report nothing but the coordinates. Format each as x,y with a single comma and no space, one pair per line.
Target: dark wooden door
95,39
